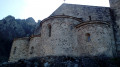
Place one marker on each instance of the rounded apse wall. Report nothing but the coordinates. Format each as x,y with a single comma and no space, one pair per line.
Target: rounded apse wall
59,36
95,39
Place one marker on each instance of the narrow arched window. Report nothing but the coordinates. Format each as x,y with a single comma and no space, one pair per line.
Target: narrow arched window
88,39
32,48
14,50
49,30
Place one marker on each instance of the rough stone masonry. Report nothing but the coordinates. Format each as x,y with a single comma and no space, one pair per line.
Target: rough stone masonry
72,30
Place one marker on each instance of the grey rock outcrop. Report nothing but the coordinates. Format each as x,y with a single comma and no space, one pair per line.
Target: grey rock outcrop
11,28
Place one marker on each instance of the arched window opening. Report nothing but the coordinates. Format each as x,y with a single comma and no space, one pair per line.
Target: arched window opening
49,30
88,39
14,51
32,48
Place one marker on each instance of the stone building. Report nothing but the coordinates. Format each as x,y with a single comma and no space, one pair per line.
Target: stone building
73,30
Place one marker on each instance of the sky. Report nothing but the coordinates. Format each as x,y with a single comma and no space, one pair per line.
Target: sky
39,9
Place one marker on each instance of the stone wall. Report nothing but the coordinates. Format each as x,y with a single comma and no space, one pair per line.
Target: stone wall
35,49
95,39
62,37
85,12
67,40
67,37
115,8
19,49
64,33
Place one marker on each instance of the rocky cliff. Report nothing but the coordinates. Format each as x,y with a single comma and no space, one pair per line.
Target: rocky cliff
11,28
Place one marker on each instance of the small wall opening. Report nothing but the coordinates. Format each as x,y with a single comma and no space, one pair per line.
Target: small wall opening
89,18
88,39
32,48
49,30
14,51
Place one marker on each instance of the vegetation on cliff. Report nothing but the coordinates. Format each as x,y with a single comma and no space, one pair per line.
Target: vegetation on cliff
11,28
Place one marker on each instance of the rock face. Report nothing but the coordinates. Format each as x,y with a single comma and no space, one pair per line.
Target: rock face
11,28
